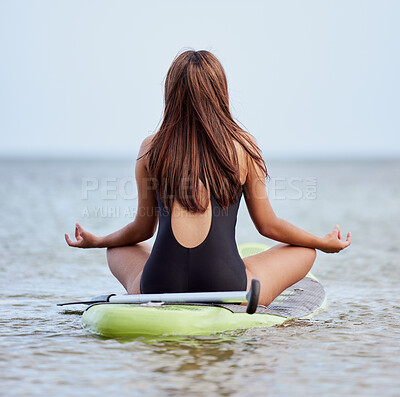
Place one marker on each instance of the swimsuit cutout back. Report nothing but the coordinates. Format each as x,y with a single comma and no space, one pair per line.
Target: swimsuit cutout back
212,265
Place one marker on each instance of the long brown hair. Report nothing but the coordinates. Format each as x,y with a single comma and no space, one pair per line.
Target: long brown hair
196,135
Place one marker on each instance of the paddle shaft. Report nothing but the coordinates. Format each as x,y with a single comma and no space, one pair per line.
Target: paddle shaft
200,297
251,297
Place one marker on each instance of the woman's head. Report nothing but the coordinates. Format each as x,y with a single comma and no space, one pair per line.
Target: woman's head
197,134
197,79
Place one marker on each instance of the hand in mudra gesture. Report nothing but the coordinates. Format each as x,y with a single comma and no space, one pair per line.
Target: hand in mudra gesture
333,241
84,239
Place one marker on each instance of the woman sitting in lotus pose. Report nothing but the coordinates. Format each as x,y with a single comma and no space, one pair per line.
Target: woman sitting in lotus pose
190,177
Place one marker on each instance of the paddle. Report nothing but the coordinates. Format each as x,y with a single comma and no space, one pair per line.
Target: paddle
251,297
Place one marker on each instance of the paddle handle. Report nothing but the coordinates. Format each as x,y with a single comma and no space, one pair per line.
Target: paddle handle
253,296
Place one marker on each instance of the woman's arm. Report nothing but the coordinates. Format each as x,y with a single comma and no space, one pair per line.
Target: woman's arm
145,223
270,226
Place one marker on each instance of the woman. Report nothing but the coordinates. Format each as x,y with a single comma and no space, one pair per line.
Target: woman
190,178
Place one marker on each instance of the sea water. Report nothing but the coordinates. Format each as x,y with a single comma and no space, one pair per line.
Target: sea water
352,348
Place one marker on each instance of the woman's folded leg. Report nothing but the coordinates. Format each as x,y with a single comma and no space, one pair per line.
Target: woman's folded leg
127,263
278,268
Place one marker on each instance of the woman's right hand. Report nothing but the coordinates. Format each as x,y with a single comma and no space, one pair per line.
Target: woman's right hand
84,239
333,242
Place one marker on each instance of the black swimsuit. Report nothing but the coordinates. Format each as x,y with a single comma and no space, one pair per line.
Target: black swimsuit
213,265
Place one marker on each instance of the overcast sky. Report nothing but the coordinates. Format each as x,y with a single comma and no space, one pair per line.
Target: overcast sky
306,78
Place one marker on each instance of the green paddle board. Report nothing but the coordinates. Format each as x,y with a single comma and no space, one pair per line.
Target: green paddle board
114,320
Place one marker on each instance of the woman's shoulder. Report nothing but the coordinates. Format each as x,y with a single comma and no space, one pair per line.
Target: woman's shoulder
145,145
142,159
247,138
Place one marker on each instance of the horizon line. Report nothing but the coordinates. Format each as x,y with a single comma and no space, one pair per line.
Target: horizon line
124,156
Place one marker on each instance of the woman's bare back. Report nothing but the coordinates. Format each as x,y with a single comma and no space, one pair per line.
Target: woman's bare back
191,229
